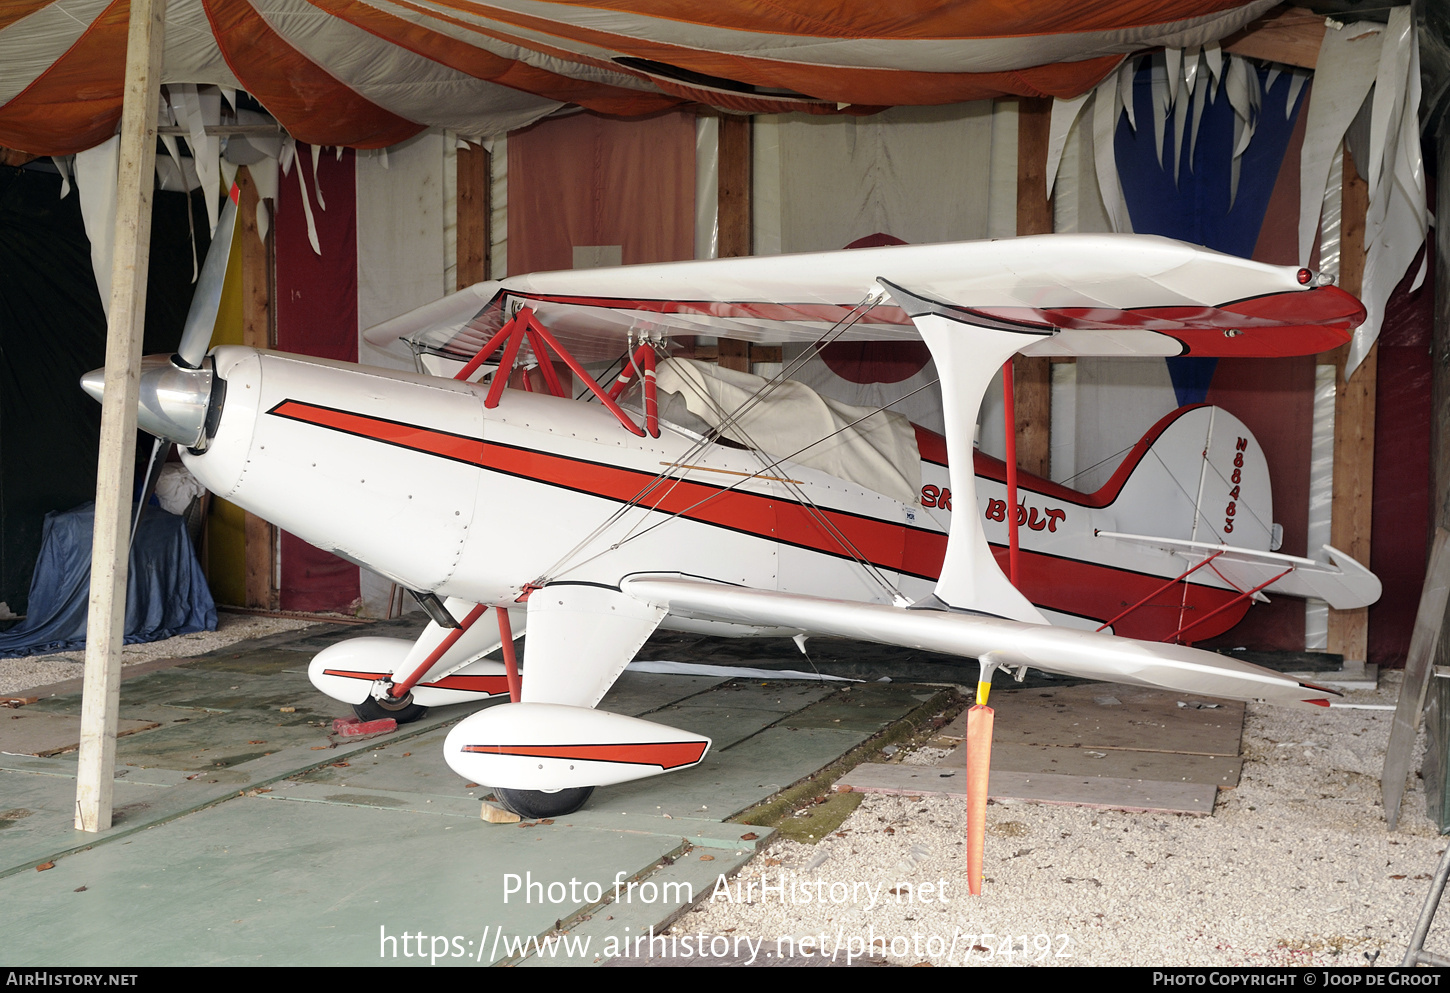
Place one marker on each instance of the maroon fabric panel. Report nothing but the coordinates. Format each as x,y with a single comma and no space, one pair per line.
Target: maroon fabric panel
591,180
1400,533
316,313
1275,399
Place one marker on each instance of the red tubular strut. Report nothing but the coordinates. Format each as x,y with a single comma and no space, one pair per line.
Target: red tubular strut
1177,579
527,316
506,364
621,381
551,376
486,352
651,399
401,689
627,374
525,324
510,663
1241,596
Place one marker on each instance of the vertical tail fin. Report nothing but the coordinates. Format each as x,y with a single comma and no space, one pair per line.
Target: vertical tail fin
1198,475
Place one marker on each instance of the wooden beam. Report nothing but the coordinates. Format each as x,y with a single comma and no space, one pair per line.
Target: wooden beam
1288,35
734,354
1032,386
256,267
116,467
1032,377
474,207
734,217
1034,125
734,187
1354,410
259,537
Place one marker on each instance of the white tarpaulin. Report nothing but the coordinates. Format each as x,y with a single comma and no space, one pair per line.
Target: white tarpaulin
798,423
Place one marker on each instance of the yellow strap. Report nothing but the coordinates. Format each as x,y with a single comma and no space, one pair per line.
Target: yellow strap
982,690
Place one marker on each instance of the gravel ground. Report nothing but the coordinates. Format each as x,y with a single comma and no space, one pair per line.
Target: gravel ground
1295,867
26,673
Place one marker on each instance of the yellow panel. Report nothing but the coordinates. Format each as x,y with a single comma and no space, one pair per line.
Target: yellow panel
229,316
227,552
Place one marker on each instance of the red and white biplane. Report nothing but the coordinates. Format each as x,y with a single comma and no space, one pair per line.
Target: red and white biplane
687,497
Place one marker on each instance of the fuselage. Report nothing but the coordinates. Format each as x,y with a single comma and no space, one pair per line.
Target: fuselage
414,478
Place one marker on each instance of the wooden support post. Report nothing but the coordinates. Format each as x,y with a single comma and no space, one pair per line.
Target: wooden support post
735,227
734,186
1032,377
1354,409
734,354
474,208
116,467
1034,124
259,537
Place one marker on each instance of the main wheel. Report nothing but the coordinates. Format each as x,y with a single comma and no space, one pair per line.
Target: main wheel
540,803
404,711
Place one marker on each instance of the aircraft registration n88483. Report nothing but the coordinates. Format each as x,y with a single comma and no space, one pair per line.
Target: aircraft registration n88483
694,498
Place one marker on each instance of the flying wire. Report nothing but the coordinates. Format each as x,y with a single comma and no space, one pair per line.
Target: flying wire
674,474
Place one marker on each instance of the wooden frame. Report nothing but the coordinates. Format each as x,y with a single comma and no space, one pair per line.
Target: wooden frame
106,620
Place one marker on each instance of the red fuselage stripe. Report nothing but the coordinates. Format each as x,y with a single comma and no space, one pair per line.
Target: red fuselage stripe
881,543
665,754
1050,581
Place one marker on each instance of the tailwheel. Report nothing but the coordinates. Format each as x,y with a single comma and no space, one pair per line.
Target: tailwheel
544,803
404,711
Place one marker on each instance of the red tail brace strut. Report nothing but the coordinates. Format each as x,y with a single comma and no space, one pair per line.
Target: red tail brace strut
1176,579
1242,596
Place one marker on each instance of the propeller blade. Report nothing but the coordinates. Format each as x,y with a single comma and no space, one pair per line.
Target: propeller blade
206,300
160,452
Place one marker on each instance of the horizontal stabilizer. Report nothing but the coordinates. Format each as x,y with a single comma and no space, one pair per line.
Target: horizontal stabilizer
1341,581
551,746
1065,651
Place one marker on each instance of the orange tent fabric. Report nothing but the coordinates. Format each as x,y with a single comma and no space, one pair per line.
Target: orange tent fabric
368,74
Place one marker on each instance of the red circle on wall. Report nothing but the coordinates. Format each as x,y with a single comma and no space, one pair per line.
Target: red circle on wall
876,361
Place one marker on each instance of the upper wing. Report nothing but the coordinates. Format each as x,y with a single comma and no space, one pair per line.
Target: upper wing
1098,294
1010,643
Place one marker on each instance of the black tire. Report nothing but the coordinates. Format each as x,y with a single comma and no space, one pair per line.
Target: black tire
404,711
537,803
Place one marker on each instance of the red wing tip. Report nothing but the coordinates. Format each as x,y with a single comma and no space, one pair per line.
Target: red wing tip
1318,703
1321,689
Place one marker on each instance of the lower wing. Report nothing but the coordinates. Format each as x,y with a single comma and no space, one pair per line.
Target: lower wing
1009,643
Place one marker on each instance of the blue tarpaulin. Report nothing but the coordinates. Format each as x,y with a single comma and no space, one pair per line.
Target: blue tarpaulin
166,593
1193,200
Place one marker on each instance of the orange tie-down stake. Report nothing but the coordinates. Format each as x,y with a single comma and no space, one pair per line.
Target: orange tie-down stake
979,761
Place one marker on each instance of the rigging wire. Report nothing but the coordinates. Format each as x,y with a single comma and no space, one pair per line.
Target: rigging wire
673,475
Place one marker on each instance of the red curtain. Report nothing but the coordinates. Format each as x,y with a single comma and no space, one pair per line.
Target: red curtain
316,312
